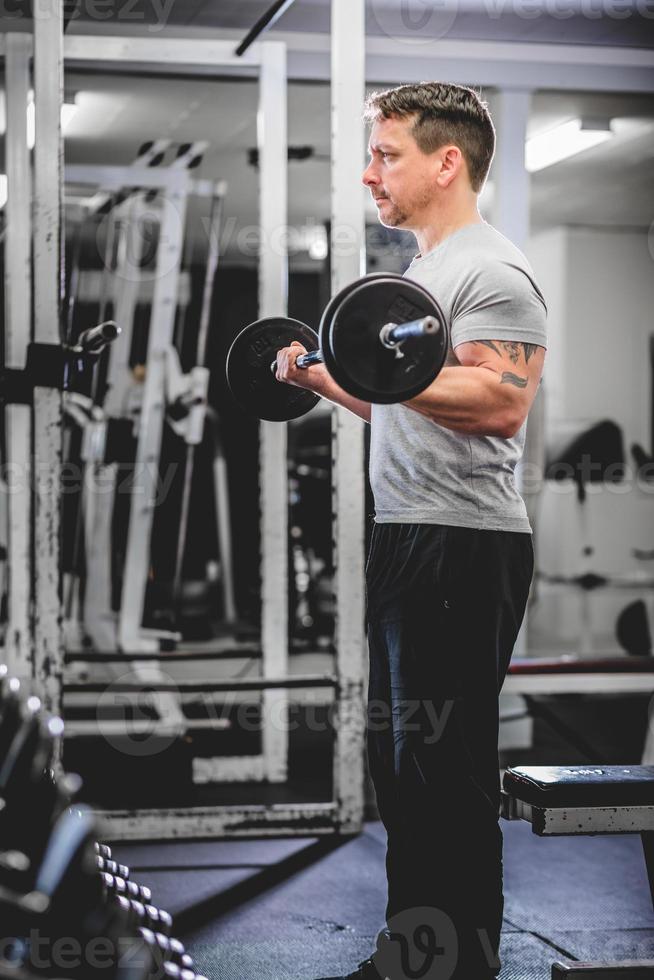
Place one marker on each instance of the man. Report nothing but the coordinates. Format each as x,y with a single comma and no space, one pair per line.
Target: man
451,557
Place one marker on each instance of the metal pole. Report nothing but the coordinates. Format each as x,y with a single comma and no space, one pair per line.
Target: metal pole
131,636
120,286
511,217
48,293
511,198
223,522
264,23
200,360
207,687
348,225
71,582
74,582
18,328
273,298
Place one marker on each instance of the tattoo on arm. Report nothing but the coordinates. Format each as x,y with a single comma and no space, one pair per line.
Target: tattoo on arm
508,378
488,343
512,348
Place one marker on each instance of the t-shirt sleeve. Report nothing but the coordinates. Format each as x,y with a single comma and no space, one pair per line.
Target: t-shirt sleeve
499,301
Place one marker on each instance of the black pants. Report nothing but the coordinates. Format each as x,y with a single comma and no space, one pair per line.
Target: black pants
445,605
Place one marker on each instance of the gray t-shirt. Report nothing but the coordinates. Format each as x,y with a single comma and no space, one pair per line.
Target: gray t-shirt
421,472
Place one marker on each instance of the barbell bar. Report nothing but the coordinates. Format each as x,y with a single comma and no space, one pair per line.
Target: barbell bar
391,335
383,339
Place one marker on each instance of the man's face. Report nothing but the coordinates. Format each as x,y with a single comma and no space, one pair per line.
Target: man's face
400,177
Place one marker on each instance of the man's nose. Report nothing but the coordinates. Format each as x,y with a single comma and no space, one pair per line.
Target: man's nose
369,176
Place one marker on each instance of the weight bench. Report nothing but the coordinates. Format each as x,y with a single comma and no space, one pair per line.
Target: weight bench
563,800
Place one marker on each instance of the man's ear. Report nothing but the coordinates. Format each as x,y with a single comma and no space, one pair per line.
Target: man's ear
451,162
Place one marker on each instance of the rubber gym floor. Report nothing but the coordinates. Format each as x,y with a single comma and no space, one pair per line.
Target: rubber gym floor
304,908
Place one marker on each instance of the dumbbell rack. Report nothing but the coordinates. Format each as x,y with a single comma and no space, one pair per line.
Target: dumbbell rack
60,887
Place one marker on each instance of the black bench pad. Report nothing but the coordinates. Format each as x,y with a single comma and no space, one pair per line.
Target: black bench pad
579,786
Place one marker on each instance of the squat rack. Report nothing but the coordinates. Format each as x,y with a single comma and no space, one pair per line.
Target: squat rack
35,642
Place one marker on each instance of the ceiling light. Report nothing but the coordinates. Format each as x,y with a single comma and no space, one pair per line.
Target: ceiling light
319,245
564,141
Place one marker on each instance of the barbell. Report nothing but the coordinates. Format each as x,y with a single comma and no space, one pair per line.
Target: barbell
383,339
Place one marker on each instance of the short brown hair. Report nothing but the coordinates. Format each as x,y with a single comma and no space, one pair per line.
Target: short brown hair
445,114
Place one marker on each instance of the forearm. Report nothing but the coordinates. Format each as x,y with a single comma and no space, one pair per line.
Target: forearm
317,379
331,392
471,400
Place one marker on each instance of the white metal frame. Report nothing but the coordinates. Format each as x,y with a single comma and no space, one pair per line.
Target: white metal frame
176,184
501,64
18,327
273,478
132,637
99,619
47,414
348,154
269,58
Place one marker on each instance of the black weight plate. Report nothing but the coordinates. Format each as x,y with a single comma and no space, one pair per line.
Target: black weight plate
336,300
250,379
354,354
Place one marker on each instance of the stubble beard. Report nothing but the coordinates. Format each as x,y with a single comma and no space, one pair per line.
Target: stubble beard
394,217
397,217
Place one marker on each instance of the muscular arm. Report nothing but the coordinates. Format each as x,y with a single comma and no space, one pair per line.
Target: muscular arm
489,392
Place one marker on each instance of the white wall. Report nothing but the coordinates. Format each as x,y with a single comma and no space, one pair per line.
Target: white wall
547,253
599,286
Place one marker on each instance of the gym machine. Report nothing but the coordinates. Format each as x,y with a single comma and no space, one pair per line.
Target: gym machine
137,401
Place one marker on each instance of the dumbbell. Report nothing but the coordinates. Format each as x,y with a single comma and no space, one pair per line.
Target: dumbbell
174,972
146,916
112,867
12,701
167,950
383,339
67,900
28,785
115,885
